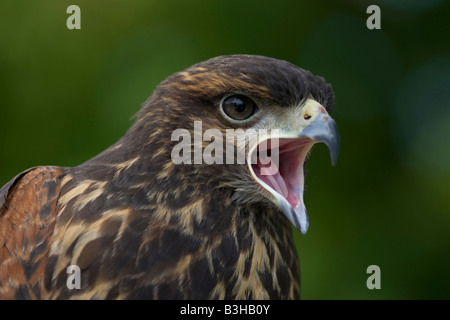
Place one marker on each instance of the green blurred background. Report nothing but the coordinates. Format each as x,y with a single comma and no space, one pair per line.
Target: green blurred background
65,95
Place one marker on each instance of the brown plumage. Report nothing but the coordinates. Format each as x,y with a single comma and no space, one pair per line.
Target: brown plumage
140,226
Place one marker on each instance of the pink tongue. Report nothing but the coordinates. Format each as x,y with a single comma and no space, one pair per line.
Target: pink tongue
293,201
276,182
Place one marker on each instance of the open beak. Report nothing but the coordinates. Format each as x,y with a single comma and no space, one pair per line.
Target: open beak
277,163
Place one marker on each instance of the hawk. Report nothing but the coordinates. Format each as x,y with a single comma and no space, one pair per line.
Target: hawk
139,223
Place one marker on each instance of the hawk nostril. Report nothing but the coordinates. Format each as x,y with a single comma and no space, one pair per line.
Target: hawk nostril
307,116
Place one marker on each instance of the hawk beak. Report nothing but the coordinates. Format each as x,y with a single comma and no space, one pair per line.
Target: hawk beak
324,129
281,171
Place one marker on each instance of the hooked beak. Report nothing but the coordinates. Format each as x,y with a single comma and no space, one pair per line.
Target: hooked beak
277,162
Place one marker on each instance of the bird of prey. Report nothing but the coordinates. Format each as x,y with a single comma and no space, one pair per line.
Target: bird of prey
138,223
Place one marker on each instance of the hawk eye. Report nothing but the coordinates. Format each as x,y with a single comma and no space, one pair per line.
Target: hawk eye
239,107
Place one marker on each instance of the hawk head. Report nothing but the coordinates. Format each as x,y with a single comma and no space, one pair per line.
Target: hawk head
243,124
